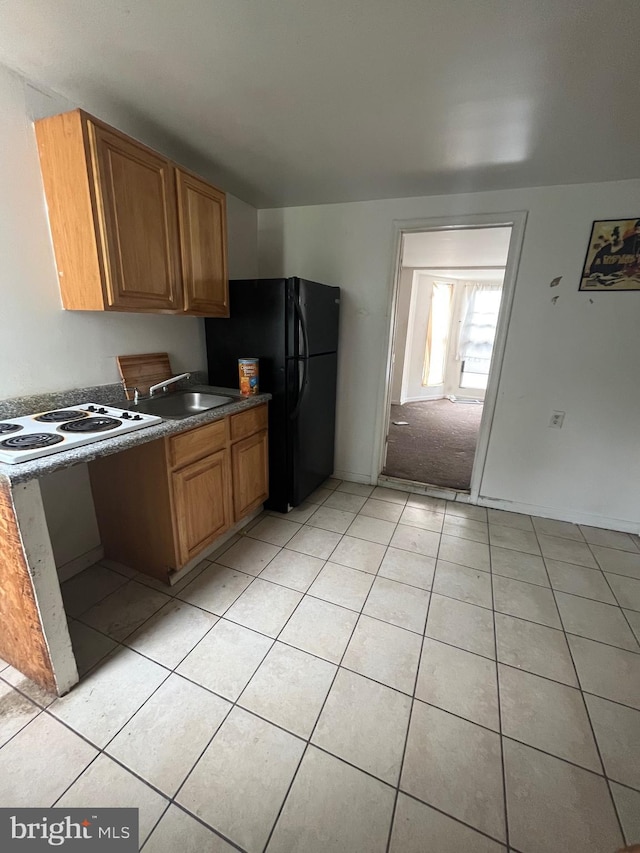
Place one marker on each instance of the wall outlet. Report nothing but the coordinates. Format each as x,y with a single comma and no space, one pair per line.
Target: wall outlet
557,419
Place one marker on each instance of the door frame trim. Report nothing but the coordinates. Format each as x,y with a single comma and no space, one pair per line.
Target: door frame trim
517,221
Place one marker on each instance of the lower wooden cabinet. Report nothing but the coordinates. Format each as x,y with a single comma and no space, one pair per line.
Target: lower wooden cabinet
161,504
250,461
201,499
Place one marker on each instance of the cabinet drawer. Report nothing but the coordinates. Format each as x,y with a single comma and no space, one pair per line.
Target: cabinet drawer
192,445
246,423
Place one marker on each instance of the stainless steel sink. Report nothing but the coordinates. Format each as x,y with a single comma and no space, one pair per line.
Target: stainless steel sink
181,404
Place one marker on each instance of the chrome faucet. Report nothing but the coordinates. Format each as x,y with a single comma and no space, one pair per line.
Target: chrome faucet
165,383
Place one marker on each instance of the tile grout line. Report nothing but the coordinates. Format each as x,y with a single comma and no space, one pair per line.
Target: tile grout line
35,717
586,708
307,593
300,737
283,547
170,672
287,731
234,703
413,697
622,609
102,750
122,643
444,595
501,735
318,657
308,741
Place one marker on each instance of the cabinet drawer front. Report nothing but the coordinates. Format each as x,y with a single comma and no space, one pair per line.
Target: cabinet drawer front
246,423
192,445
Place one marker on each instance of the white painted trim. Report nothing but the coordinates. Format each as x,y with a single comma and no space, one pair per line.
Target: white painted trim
517,221
384,406
562,514
423,399
79,564
422,489
34,534
350,477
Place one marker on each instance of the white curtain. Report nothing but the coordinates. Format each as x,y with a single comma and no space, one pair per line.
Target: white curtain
479,322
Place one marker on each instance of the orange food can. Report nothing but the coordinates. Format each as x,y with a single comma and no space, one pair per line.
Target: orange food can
248,371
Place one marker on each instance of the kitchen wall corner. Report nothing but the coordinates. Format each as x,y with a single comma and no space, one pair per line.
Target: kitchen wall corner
42,347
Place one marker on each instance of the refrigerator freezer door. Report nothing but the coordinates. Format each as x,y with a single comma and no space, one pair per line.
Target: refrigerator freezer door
313,314
312,422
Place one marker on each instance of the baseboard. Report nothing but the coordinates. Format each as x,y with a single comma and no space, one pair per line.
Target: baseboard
558,514
453,399
555,513
421,399
350,477
422,489
79,564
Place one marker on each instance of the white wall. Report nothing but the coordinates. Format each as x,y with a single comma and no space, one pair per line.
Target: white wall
42,347
580,355
416,342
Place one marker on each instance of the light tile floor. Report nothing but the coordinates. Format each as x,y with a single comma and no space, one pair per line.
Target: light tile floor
379,671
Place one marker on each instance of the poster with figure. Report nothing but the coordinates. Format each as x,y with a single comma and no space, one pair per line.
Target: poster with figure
613,256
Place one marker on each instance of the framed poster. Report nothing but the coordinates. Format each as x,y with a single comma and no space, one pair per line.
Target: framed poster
613,256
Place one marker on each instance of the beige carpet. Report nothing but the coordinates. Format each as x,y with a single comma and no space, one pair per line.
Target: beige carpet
437,446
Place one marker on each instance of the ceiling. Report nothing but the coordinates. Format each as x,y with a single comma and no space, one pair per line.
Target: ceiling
314,101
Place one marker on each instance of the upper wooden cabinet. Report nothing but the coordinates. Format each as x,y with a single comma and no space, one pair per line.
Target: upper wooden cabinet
203,238
131,230
135,192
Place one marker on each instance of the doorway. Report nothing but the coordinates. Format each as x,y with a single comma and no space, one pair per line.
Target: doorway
451,305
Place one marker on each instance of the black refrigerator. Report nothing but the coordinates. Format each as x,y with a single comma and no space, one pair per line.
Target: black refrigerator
291,325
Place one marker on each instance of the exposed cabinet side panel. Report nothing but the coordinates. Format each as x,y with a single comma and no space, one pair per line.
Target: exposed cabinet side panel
203,242
133,508
65,175
135,193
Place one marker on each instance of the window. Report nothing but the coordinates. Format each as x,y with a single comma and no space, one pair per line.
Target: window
477,333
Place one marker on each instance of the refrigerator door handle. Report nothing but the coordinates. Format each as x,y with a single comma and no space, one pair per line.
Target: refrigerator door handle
301,388
304,357
303,327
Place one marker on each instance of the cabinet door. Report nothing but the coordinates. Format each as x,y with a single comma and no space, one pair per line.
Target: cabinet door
135,191
202,503
202,215
250,461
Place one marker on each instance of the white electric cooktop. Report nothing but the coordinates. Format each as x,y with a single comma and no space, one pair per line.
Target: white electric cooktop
26,438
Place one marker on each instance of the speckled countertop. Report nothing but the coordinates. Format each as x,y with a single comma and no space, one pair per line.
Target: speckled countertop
36,468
